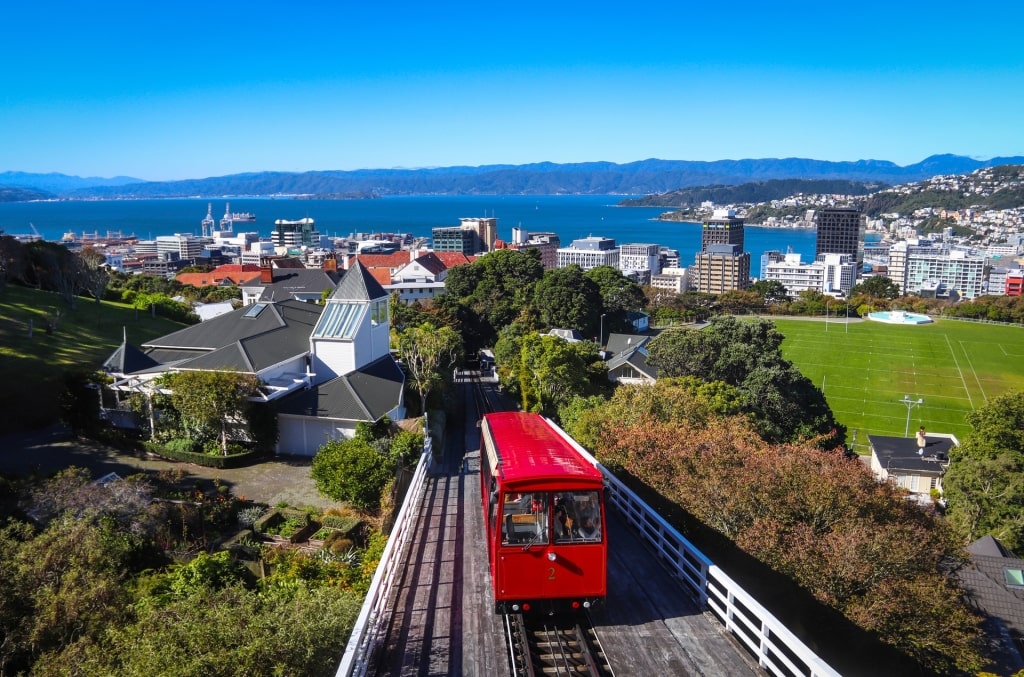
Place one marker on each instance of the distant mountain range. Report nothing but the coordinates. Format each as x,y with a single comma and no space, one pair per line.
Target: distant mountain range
545,178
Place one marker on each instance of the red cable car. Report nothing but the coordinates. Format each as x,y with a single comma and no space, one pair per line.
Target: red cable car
544,511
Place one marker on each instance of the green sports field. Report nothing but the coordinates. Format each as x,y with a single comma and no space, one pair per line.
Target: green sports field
865,368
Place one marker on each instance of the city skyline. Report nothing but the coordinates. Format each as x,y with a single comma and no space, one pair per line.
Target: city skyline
190,91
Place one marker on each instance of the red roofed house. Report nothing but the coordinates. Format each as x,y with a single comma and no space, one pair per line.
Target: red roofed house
222,276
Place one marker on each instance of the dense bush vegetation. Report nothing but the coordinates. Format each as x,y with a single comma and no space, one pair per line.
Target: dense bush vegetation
93,589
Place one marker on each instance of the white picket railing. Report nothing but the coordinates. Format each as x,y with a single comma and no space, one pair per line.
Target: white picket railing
777,649
366,632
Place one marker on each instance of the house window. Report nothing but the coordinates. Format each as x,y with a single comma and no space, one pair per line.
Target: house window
915,483
1014,577
379,312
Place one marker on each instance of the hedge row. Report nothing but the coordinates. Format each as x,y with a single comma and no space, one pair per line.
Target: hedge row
208,460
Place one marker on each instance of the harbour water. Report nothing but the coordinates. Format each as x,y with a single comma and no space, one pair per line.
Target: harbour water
570,216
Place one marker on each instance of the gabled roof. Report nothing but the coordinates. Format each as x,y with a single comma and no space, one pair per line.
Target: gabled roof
621,343
390,261
637,359
431,263
358,285
249,339
289,283
452,259
128,359
363,395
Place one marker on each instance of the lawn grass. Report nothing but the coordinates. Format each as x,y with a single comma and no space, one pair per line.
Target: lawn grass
33,368
866,368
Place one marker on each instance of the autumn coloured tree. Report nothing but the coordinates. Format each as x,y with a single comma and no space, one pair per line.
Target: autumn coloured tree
817,517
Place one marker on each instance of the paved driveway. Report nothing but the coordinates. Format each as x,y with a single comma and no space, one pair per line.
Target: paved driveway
44,452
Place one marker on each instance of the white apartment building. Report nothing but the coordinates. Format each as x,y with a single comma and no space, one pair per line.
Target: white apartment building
830,274
589,252
840,272
796,276
183,246
644,259
673,279
956,271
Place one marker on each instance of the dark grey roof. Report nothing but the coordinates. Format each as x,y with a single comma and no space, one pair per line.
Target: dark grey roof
363,395
984,581
636,359
234,341
358,285
291,281
989,546
900,453
620,343
128,359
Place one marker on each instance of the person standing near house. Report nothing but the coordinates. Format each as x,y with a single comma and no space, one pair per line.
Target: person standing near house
922,441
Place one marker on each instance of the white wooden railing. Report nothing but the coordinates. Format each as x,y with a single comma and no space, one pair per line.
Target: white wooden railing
777,649
366,633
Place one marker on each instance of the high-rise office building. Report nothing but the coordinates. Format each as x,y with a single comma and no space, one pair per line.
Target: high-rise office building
720,268
723,227
841,231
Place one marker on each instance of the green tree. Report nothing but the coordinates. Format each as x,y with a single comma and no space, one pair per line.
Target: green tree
552,371
210,401
352,470
489,293
771,291
427,353
876,286
565,298
984,485
619,296
784,405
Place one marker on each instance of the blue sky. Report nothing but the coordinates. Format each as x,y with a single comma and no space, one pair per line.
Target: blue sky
162,90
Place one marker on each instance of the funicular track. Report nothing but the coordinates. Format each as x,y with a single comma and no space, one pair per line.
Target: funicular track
554,645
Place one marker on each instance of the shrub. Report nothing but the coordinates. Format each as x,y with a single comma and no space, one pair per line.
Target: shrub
353,471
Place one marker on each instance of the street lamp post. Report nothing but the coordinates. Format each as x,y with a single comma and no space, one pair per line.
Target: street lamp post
910,405
600,340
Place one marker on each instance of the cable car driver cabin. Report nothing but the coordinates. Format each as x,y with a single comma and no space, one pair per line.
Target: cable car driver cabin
544,512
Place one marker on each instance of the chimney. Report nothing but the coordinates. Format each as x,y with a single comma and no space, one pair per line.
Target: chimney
412,254
331,263
344,261
266,274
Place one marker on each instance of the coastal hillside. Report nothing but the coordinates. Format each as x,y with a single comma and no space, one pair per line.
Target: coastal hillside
545,178
754,191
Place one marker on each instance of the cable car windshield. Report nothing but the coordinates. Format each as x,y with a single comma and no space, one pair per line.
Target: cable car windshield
542,517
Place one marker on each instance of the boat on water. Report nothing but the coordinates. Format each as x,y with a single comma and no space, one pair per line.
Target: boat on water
231,217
